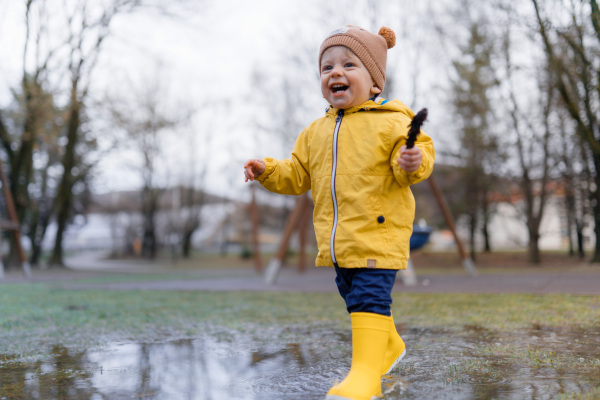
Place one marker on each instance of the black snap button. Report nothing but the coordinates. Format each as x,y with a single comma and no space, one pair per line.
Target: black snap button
381,219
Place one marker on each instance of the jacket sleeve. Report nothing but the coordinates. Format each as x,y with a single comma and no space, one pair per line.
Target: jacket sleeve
290,176
425,143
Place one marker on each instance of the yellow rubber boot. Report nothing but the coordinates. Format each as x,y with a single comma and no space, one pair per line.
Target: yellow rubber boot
370,334
396,350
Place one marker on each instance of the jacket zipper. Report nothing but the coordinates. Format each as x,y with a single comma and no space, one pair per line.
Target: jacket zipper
338,122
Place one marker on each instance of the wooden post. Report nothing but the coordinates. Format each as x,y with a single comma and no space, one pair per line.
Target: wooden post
13,224
274,266
408,275
302,231
466,260
255,237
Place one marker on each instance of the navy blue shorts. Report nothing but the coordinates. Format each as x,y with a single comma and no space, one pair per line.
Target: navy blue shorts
366,289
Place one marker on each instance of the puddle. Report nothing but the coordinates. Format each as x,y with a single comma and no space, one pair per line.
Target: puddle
303,363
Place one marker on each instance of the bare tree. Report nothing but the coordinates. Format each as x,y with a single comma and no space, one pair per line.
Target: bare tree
572,45
30,130
189,197
575,174
145,118
473,87
86,34
535,157
52,55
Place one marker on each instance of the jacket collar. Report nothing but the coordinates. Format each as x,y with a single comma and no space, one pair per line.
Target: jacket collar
374,103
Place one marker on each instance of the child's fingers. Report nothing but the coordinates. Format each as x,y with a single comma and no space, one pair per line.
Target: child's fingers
249,167
248,174
253,168
410,156
414,154
411,151
410,162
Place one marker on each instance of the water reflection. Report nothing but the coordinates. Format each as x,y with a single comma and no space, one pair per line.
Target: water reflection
184,369
473,364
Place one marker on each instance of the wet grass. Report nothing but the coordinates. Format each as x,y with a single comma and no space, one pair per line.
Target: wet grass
498,311
499,332
35,315
592,395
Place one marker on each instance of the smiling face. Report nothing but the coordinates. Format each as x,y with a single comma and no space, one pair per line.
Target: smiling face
345,81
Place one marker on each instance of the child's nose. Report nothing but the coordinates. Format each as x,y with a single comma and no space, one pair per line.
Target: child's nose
337,70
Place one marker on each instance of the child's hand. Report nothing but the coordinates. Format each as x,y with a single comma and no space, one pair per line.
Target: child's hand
410,159
253,168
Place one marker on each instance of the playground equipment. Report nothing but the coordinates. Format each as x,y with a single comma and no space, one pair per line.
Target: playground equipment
298,220
13,226
467,262
418,239
420,236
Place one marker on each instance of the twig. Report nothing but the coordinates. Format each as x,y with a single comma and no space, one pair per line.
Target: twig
415,127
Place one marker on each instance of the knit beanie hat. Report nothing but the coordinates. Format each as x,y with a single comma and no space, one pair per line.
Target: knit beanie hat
371,49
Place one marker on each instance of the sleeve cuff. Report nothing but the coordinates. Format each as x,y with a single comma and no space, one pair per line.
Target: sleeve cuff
270,166
410,178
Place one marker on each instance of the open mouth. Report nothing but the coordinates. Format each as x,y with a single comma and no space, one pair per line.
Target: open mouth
339,88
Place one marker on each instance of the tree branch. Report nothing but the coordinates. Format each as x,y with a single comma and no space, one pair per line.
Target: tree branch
6,140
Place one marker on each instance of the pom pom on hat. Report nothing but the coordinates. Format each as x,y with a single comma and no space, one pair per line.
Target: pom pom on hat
388,35
371,49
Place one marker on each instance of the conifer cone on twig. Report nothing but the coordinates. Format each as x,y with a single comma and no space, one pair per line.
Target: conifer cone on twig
415,127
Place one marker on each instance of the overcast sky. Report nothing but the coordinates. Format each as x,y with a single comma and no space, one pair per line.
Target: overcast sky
209,53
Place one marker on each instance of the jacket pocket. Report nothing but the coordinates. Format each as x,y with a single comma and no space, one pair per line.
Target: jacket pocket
381,219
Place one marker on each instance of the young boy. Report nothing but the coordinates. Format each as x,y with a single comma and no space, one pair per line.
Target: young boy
359,170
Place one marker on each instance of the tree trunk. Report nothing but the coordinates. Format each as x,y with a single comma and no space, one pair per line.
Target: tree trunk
570,212
472,234
36,237
596,210
150,207
487,247
64,198
22,163
186,248
534,248
194,202
149,243
579,230
595,194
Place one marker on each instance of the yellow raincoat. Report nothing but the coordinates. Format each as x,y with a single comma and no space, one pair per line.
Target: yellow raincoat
364,208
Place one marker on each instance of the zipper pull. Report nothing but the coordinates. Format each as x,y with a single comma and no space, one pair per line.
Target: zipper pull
340,114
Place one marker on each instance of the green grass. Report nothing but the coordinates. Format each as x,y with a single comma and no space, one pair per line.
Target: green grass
592,395
34,316
498,311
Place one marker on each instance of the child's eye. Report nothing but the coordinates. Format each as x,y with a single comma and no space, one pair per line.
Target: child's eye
349,64
327,68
